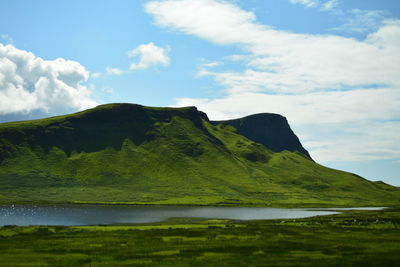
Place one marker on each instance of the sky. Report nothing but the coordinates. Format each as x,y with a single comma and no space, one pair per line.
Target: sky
331,67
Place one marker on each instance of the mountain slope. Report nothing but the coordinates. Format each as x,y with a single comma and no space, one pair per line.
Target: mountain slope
271,130
125,153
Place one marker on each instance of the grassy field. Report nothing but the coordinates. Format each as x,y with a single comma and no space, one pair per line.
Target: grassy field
354,238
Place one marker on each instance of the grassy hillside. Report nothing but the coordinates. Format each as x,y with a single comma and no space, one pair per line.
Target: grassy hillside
124,153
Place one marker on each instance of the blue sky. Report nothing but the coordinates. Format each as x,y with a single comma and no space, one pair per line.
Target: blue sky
330,66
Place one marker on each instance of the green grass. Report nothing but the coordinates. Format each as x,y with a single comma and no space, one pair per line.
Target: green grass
123,153
356,238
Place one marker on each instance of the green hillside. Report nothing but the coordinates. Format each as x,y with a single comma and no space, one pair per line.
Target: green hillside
125,153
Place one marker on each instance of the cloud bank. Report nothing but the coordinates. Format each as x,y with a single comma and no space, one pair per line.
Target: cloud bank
29,84
281,61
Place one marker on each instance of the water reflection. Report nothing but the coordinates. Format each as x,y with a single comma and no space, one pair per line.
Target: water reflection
70,215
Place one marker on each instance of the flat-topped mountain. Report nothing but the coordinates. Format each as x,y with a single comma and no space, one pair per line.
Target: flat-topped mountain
126,153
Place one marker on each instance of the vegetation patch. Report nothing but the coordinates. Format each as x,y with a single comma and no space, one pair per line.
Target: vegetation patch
353,238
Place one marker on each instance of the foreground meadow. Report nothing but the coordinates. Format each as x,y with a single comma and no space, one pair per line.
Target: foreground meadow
354,238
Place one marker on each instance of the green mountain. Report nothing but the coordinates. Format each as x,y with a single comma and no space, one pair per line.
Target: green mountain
126,153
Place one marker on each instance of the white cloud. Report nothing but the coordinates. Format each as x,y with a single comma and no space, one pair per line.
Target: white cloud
211,64
29,83
216,21
236,58
306,3
357,142
329,5
149,55
326,5
146,56
203,69
95,75
361,21
311,79
355,20
6,38
108,90
114,71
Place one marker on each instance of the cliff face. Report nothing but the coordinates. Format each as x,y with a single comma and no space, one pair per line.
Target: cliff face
271,130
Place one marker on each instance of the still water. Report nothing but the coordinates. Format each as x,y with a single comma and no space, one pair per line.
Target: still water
70,215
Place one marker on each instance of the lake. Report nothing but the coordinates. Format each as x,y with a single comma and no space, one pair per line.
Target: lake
73,215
